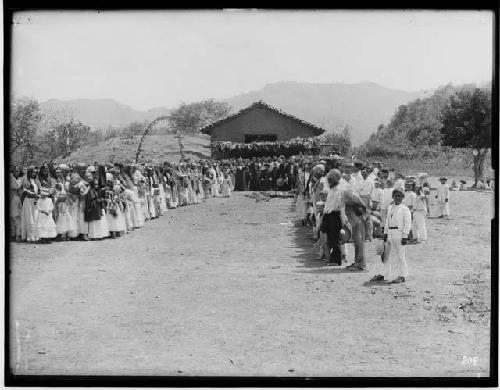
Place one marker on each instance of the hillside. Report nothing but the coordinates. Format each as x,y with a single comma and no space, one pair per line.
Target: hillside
156,148
363,106
100,113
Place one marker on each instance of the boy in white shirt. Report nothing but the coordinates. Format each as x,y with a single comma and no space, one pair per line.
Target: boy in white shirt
386,201
442,196
419,213
410,196
396,230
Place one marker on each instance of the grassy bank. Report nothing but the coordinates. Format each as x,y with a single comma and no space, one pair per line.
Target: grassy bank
454,164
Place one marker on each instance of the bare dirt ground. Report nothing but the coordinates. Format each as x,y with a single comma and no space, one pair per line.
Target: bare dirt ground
232,287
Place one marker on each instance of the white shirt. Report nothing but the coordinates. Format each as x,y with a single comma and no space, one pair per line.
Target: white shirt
398,216
335,201
386,198
366,187
419,203
345,185
35,187
409,199
443,192
356,180
377,194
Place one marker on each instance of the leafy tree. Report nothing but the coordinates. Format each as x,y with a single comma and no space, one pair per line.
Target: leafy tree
67,137
134,128
346,136
189,118
415,128
25,118
467,124
341,141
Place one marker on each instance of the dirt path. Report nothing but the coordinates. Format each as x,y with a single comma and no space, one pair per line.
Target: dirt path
231,287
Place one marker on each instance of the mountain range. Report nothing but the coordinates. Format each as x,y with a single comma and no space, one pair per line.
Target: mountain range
362,106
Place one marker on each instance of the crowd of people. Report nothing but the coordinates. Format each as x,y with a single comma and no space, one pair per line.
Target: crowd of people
345,202
91,202
341,200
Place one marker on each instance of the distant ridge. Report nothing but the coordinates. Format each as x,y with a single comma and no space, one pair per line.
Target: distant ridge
101,113
363,106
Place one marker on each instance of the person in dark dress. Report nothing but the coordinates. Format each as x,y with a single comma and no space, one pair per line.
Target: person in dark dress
282,176
93,203
264,178
254,177
240,179
274,175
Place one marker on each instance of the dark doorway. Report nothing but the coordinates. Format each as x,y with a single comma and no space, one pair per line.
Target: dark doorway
260,138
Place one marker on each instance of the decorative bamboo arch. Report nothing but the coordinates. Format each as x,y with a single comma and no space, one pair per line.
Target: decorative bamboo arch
148,129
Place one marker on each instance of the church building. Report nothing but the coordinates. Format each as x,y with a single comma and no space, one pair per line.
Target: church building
260,122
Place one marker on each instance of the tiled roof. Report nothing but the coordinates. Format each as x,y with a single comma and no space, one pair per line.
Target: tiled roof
260,104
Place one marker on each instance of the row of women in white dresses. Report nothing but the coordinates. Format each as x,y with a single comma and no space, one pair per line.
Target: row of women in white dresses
34,219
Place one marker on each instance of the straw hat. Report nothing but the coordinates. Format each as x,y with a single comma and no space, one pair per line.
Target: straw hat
345,236
382,248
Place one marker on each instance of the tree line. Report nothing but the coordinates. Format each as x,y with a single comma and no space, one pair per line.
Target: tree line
454,117
35,136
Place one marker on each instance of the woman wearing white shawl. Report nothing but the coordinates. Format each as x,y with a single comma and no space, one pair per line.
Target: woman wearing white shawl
30,195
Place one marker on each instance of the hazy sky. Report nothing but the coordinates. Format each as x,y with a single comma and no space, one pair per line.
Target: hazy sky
163,58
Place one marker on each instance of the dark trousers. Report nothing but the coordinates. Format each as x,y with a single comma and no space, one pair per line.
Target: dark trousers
331,225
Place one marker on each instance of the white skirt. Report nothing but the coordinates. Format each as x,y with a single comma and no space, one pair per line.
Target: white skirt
151,206
45,227
163,200
128,216
226,191
98,228
116,224
66,225
137,215
29,216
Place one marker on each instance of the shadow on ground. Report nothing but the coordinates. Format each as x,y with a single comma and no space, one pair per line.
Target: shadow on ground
307,257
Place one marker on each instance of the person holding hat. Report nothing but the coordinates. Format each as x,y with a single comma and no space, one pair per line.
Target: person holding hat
396,230
443,193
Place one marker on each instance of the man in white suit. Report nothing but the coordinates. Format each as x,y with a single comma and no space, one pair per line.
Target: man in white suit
443,194
396,230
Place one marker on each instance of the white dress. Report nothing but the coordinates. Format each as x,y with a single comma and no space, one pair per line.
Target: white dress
65,223
163,199
29,216
45,226
116,223
138,221
98,228
226,187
